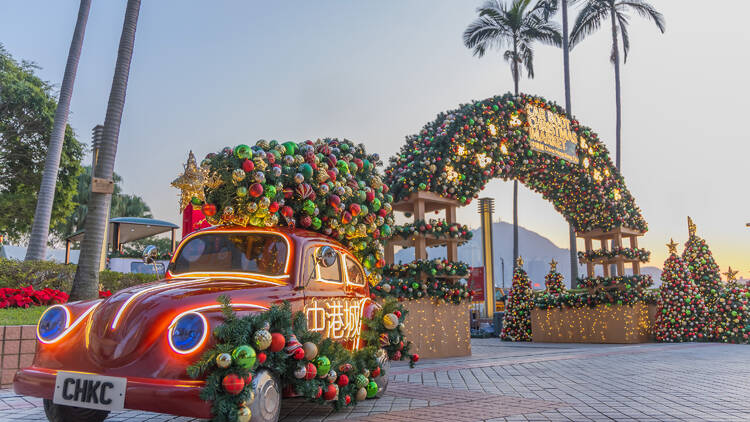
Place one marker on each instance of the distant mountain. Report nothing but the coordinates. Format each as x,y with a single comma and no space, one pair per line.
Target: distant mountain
537,251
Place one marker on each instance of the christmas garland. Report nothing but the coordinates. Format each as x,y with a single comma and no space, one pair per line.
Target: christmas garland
412,289
641,255
627,282
329,186
437,228
322,371
432,268
458,153
585,299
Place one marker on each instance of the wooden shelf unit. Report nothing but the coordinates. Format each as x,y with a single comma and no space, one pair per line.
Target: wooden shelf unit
617,236
418,204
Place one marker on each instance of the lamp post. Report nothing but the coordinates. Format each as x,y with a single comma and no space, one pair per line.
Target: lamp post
486,207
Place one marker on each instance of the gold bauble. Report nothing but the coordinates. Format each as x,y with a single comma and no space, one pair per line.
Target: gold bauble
311,350
243,414
223,360
390,321
361,394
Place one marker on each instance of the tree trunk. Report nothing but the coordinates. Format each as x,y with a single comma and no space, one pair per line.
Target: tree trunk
618,105
86,283
37,249
568,109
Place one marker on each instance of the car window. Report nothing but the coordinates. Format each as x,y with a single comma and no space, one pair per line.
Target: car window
354,271
262,253
332,273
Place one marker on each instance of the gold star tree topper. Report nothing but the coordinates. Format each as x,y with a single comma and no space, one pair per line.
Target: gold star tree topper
519,262
553,265
672,245
691,227
191,182
731,275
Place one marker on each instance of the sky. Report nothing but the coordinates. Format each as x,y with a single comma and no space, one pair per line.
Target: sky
211,74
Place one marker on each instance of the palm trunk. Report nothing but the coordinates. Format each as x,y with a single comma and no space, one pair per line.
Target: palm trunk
618,105
37,249
516,75
568,109
85,285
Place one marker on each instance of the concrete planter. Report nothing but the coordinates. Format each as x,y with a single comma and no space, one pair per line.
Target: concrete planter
18,345
601,324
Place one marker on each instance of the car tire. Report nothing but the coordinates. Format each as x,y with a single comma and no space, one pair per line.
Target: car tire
61,413
267,404
382,381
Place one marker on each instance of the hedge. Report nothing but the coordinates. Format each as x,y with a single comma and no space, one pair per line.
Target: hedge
42,274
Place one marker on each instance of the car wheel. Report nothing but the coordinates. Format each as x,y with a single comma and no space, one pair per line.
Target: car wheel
267,404
60,413
382,381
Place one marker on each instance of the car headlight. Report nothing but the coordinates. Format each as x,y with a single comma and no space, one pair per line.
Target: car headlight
188,332
53,323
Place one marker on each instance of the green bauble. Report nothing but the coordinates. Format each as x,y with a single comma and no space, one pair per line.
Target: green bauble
244,356
306,170
308,207
290,147
375,204
372,389
361,381
270,191
323,365
316,223
243,151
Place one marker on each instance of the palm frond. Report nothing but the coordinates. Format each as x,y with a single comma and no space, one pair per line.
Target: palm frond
644,10
589,20
484,33
527,56
547,33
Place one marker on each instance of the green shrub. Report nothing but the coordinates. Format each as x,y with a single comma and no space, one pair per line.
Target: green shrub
41,274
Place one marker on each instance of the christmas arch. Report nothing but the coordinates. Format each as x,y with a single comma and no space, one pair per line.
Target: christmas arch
525,138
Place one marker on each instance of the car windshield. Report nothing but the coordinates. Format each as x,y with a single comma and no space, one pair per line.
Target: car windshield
262,253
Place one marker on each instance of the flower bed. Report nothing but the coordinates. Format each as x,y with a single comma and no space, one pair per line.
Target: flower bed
26,297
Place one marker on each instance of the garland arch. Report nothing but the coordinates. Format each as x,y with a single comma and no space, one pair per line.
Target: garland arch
459,152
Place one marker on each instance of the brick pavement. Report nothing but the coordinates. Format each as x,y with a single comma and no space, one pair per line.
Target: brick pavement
532,382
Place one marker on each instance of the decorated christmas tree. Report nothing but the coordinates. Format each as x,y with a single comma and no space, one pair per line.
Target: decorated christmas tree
517,320
733,314
705,275
553,281
680,306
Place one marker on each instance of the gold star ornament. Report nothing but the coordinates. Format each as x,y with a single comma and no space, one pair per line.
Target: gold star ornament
519,262
553,265
731,275
691,227
191,182
672,245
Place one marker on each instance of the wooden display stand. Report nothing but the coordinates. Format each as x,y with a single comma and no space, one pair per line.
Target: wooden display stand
436,330
617,235
602,324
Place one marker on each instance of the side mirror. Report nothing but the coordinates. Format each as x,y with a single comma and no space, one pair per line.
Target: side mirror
326,256
150,254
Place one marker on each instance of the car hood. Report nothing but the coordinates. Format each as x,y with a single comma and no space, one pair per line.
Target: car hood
129,322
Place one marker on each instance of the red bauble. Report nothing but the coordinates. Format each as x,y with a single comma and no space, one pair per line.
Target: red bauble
397,313
299,354
277,342
312,371
256,190
273,207
248,379
248,166
354,209
320,393
208,210
330,392
305,221
334,201
370,196
375,372
261,357
347,399
287,211
415,357
397,355
346,218
233,384
343,380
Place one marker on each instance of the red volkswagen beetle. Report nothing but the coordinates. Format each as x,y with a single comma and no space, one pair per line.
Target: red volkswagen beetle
132,349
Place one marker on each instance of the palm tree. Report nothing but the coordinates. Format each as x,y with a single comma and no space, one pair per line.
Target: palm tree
86,282
516,26
590,19
37,249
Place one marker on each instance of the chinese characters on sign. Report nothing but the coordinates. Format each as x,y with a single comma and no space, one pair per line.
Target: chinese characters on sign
336,318
550,132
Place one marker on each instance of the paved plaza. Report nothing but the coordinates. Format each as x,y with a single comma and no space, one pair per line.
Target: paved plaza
532,382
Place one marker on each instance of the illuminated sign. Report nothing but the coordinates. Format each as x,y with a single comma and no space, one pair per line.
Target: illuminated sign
550,132
336,318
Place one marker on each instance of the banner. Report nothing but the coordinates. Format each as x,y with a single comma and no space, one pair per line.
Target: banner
550,132
476,283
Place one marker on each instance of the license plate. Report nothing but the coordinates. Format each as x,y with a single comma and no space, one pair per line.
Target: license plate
90,391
